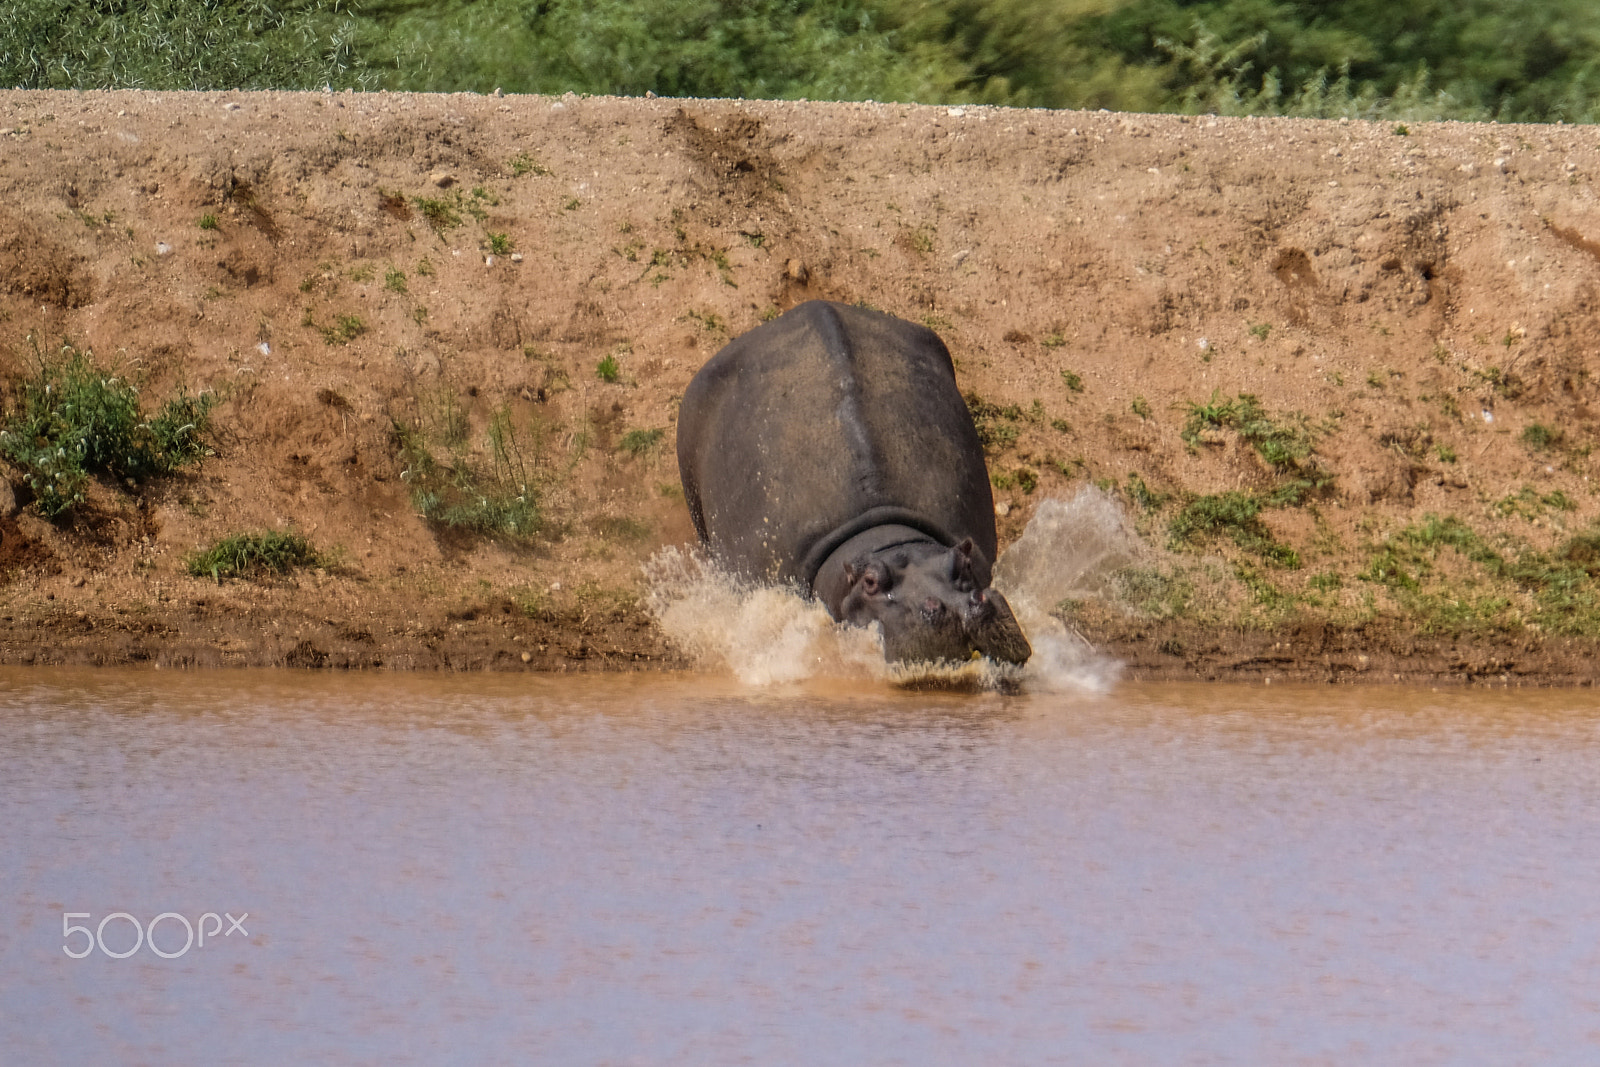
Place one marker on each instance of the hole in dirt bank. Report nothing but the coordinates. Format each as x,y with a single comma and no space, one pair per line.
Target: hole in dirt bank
394,205
33,266
1293,267
1575,239
723,145
244,194
20,553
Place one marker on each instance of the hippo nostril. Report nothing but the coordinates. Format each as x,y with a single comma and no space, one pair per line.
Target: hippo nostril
931,605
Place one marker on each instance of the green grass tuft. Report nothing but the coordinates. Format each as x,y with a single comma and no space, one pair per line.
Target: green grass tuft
254,555
1238,515
638,442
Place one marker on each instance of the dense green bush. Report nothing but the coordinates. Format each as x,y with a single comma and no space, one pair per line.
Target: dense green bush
178,44
1506,59
74,419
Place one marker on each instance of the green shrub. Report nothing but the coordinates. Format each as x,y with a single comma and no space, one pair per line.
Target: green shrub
638,442
254,555
441,214
608,369
1237,515
75,419
1541,438
459,495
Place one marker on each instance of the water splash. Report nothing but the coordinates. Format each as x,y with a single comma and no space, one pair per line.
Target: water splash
773,635
764,634
1069,551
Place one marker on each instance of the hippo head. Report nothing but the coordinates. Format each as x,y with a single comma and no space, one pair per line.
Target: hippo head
931,604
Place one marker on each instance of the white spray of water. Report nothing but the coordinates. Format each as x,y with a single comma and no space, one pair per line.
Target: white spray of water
772,635
764,634
1068,551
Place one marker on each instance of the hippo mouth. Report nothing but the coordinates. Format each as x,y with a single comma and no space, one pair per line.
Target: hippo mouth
986,627
993,629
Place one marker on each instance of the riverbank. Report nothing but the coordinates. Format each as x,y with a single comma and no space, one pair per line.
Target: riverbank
1339,377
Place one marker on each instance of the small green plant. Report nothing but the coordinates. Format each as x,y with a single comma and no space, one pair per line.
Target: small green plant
1061,425
425,267
500,244
394,280
1326,582
1542,438
345,328
1140,407
1056,340
458,494
440,214
208,222
254,555
638,442
1401,130
1236,514
1142,495
1445,453
1285,443
709,319
608,370
1260,330
571,203
523,163
1027,480
996,425
1529,503
74,419
1072,381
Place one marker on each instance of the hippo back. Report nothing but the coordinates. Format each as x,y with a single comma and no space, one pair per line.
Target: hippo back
822,423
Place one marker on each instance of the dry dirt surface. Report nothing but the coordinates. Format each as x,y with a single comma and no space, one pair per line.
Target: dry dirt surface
438,263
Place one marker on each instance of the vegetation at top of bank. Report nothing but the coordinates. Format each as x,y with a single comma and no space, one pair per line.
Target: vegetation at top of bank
74,419
1511,60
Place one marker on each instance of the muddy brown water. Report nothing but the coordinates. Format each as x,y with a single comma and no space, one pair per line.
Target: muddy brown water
681,869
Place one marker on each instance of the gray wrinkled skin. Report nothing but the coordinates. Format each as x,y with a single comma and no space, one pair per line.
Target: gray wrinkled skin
831,448
929,606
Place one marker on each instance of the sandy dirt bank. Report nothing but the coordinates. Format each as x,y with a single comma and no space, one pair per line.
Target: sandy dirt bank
349,273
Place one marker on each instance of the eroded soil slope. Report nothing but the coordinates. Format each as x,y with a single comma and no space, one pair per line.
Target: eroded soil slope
1283,345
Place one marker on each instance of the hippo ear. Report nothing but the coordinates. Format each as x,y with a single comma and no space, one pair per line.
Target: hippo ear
961,561
851,573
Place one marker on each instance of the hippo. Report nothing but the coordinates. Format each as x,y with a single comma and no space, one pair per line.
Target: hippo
830,448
